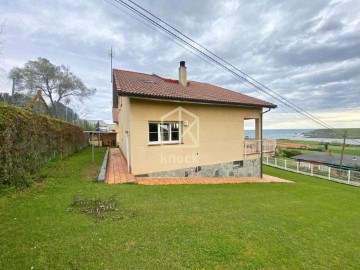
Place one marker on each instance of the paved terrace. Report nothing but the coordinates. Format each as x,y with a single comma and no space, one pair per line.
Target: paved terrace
117,174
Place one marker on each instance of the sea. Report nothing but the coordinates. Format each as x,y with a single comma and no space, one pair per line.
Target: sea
295,134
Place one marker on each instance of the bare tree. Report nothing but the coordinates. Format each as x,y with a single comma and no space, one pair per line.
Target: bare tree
57,83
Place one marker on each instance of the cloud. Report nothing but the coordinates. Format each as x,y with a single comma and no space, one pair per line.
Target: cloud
308,53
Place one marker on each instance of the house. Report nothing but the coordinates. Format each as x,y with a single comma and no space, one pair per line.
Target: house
182,128
329,159
104,135
99,125
111,128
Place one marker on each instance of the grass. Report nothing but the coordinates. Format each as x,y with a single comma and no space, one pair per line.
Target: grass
349,150
311,224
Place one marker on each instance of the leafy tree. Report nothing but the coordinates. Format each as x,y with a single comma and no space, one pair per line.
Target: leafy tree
57,83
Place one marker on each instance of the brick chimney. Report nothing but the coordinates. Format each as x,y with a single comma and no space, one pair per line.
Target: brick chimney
182,74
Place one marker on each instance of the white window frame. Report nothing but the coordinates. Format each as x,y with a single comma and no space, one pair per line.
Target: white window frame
159,141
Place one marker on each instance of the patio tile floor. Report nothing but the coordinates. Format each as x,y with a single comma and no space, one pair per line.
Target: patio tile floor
117,173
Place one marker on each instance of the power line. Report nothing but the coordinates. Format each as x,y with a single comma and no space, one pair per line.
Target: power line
251,84
248,80
165,36
221,59
192,52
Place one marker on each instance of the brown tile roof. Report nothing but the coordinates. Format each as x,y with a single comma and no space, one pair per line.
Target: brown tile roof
135,84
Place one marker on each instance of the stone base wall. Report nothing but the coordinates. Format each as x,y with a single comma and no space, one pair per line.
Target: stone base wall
243,168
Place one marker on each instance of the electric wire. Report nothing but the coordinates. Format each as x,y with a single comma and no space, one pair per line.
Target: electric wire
226,62
242,79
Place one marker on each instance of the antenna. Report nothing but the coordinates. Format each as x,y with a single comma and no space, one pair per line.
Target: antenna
111,54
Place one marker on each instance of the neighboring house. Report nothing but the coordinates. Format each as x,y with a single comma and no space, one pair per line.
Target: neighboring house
180,128
104,135
111,128
99,125
329,159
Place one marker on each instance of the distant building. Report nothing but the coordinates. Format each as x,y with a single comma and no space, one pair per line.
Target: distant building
111,127
329,159
104,135
99,125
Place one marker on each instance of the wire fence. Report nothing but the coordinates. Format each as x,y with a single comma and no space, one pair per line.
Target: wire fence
349,177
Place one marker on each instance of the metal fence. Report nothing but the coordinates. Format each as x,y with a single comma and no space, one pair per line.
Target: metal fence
349,177
253,146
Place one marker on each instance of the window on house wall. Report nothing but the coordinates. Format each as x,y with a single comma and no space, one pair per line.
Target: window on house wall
164,132
238,164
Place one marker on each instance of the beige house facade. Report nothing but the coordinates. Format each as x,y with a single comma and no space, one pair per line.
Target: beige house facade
180,128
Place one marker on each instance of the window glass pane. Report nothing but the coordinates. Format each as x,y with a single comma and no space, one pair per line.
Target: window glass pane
164,132
165,136
174,135
153,127
153,137
164,127
174,126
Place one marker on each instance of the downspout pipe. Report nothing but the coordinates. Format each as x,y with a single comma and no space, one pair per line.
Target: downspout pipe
261,141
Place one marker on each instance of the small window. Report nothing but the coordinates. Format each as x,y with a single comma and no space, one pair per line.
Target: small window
238,164
164,132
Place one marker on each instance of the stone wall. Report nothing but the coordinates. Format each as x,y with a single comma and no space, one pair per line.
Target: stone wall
243,168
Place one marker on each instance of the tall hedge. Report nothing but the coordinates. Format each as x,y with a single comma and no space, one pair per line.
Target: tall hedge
28,140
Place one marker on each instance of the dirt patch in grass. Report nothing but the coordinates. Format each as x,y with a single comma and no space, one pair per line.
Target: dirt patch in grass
99,208
90,174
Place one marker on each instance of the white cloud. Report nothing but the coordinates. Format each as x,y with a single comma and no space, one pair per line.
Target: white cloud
308,53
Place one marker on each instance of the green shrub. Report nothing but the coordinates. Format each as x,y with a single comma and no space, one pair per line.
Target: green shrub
317,149
28,140
290,152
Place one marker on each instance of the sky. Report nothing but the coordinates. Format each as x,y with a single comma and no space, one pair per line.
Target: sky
306,51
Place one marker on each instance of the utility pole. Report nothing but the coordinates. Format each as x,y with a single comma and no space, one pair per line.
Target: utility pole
12,91
342,150
111,53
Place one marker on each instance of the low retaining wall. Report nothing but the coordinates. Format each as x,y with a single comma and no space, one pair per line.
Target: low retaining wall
102,174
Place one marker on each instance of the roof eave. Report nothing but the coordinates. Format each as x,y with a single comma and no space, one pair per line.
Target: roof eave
270,106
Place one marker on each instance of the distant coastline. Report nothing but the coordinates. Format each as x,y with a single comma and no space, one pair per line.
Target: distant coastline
301,135
352,133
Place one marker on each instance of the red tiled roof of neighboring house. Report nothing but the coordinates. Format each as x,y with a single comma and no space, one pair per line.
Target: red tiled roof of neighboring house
135,84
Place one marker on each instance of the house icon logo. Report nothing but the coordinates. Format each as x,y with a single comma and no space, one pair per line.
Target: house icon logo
189,131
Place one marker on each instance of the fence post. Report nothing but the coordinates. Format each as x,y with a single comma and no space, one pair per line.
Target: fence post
267,160
285,164
275,161
311,169
349,176
297,166
329,173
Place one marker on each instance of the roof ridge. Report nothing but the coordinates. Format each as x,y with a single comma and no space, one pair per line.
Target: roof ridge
131,71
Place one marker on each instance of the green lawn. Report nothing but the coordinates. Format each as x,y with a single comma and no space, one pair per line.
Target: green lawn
311,224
